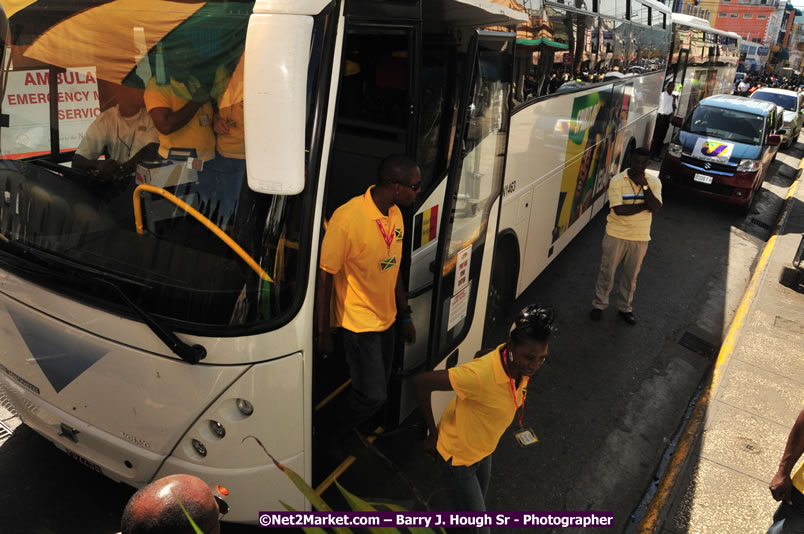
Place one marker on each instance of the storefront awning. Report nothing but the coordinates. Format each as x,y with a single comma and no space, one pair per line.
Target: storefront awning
542,41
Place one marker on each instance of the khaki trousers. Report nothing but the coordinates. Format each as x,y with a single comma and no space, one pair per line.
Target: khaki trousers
616,251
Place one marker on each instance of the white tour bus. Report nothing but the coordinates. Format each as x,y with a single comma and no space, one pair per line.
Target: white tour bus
154,313
703,62
587,90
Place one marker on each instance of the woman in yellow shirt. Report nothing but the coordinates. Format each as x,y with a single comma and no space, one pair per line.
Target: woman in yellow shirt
490,390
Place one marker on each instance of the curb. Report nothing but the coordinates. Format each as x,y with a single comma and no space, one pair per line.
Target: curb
658,506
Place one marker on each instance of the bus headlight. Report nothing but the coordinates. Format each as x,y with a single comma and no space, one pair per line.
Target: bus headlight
217,429
674,150
748,165
200,448
245,407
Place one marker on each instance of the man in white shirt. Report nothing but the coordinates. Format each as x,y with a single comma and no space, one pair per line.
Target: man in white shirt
667,107
743,87
124,132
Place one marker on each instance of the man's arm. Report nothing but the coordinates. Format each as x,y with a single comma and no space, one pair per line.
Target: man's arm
629,209
168,121
423,385
147,153
322,306
402,313
107,168
781,485
651,202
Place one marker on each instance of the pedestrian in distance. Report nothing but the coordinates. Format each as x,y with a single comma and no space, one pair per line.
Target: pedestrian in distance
490,392
667,108
789,517
634,196
157,507
360,257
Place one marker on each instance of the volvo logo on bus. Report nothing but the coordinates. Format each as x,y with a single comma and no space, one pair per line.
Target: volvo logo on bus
135,440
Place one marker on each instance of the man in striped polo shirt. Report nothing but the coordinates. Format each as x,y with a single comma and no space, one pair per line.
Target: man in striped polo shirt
633,198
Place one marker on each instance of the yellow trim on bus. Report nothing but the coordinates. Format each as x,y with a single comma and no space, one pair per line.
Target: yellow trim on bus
200,218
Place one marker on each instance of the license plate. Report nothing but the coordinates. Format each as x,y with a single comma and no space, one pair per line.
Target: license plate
703,178
83,461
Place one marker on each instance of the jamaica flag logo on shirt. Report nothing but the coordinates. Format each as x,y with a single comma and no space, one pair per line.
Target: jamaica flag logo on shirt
398,234
387,263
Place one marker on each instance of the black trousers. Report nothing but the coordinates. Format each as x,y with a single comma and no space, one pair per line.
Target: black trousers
662,124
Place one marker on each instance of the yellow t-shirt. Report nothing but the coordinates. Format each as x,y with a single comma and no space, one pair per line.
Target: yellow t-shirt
228,94
623,191
364,271
798,479
481,411
197,133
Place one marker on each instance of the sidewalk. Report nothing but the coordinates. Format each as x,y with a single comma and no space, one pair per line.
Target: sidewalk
717,480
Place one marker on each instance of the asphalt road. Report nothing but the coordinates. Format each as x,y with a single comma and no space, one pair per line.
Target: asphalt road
604,406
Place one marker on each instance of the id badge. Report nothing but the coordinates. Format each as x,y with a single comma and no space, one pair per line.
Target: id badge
203,120
526,437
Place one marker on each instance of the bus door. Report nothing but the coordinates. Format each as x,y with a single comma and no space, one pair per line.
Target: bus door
374,119
375,102
469,220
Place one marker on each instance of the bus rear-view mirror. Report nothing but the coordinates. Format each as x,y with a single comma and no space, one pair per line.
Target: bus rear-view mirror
274,98
774,139
677,121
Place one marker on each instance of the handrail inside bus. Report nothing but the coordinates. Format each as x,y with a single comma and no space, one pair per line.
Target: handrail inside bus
215,229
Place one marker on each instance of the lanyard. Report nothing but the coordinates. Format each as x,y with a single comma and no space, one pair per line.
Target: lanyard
513,389
388,238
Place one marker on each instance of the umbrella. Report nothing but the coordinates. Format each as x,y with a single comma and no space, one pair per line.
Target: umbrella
126,38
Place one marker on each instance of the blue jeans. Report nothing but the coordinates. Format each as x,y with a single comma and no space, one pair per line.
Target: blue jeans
369,356
469,485
789,519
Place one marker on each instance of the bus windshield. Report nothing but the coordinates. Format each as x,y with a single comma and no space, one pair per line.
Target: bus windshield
726,124
123,154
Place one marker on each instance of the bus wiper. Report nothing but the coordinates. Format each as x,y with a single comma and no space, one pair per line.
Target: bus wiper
189,353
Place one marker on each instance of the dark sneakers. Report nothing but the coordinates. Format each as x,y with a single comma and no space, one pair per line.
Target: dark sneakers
595,314
628,317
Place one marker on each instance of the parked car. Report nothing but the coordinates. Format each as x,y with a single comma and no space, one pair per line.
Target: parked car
724,148
791,101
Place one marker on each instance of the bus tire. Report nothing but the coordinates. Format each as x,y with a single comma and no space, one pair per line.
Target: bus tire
502,286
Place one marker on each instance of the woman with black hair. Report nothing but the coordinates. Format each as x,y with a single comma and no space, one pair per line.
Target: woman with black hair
490,390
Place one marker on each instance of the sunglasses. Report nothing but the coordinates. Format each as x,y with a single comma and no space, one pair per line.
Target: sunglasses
223,507
415,187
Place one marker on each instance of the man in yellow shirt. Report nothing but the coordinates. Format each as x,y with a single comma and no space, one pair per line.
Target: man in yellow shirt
182,113
633,198
789,518
490,390
360,256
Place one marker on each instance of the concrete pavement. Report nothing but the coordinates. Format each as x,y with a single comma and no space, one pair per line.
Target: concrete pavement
717,479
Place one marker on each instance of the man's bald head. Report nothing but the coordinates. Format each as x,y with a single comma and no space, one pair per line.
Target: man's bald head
396,169
155,509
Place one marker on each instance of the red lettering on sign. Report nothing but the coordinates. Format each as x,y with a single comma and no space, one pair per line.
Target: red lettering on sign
69,114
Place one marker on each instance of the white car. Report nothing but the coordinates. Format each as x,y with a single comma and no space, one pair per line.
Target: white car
791,102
